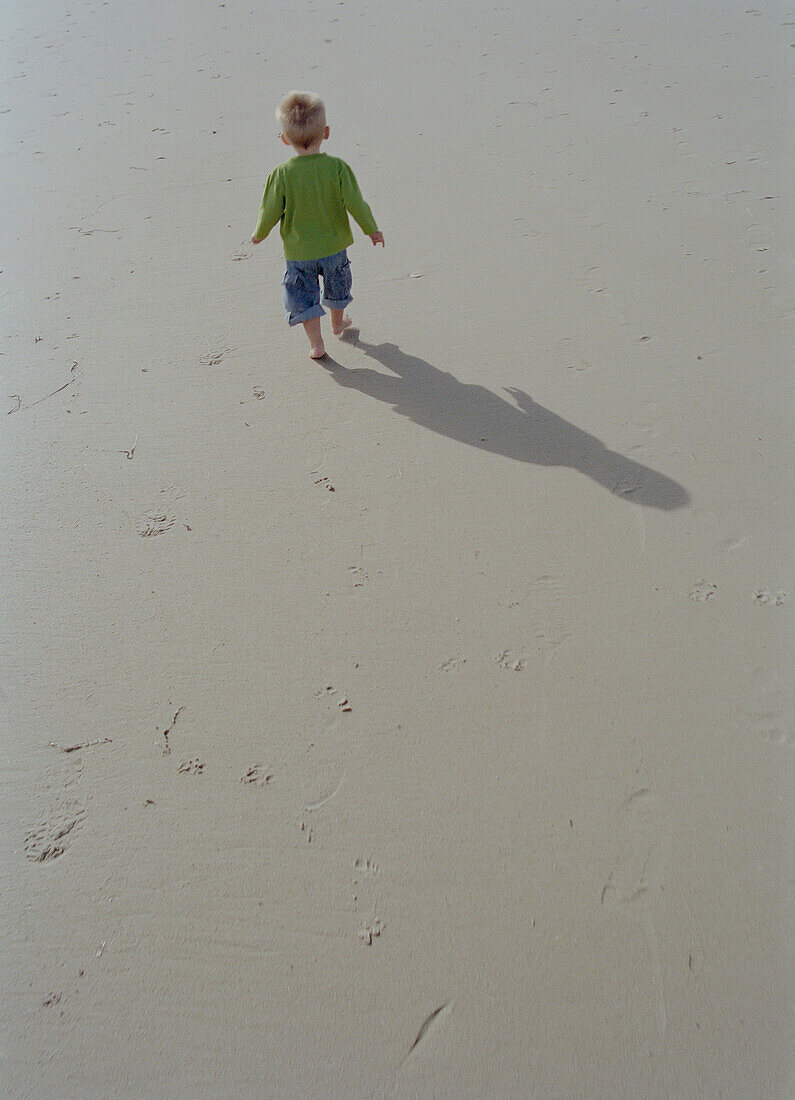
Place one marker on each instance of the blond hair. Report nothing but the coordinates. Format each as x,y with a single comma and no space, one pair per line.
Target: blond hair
302,117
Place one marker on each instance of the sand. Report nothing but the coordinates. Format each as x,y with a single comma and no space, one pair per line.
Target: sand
413,723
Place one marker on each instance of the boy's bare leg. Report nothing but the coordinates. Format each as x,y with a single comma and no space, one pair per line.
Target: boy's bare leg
317,349
339,321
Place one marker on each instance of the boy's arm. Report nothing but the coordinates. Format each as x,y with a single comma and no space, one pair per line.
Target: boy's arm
271,208
356,206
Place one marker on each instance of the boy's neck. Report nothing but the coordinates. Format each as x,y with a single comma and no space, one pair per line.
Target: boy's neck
312,151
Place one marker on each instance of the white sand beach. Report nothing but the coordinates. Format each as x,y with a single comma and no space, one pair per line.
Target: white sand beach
413,723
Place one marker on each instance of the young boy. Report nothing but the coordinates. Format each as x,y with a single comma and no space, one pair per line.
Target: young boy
311,196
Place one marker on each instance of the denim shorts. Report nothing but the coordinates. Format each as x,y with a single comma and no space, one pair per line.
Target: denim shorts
301,289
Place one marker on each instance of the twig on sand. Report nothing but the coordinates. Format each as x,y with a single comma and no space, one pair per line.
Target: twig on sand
89,232
131,451
426,1024
81,744
65,386
167,731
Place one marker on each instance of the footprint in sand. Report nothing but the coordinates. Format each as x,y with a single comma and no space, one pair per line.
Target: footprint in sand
759,237
257,776
571,355
770,726
511,661
550,638
335,703
634,884
191,767
765,598
366,897
155,523
637,870
702,591
370,929
594,280
162,516
542,607
765,710
54,832
359,577
729,543
213,358
365,868
546,594
323,781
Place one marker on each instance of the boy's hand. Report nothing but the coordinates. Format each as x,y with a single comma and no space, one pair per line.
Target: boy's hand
377,238
255,239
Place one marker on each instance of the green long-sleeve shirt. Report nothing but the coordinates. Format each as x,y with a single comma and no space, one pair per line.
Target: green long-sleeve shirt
311,196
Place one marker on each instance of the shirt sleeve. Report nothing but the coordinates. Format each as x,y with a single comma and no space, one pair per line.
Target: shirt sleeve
271,207
354,203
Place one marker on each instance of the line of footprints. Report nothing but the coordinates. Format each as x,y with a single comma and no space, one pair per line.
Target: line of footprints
365,871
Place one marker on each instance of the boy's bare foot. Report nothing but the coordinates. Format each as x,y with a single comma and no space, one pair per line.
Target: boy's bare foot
344,324
312,329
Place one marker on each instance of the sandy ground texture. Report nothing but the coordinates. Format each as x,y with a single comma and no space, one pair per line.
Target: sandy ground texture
414,723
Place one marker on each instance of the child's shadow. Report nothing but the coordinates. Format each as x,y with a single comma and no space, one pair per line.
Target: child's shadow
526,431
